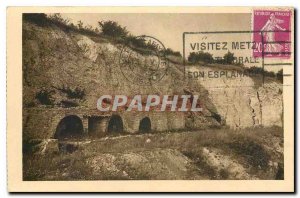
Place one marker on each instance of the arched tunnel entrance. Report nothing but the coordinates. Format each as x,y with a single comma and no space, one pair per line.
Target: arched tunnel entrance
115,124
69,127
145,125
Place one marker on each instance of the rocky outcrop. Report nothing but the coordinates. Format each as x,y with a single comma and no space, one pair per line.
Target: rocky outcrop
54,59
241,102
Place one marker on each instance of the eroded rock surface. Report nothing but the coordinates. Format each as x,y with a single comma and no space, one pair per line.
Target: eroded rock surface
243,104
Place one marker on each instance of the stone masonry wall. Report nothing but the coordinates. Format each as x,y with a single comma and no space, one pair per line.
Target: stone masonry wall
41,123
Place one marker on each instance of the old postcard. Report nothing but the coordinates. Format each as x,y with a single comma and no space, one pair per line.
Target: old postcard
150,99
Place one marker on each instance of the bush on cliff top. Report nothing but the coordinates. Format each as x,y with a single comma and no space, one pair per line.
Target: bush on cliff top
109,29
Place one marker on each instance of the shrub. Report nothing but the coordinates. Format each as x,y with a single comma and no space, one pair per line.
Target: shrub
138,42
140,45
196,57
219,60
79,25
37,18
42,19
112,29
254,70
169,51
59,19
229,58
45,97
259,70
61,22
279,75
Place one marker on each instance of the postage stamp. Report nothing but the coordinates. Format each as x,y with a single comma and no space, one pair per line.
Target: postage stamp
272,33
150,99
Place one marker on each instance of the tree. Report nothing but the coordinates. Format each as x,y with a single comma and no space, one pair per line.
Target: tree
229,58
112,29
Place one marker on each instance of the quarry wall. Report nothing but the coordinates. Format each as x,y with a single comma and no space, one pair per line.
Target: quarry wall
53,58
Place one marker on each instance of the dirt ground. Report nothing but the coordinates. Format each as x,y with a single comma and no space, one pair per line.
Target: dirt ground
253,153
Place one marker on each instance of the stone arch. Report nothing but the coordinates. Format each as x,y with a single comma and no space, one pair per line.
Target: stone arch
145,125
115,124
69,127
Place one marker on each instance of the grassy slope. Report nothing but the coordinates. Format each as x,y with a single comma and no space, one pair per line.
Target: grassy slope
247,154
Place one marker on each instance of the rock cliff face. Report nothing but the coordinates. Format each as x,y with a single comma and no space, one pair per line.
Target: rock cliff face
54,59
58,61
241,102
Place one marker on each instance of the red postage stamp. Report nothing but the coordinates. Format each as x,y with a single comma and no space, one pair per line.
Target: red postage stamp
272,33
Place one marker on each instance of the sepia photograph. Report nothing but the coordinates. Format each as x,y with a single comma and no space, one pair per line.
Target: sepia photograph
142,95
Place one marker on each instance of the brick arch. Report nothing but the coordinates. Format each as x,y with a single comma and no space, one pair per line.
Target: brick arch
145,125
70,126
115,124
